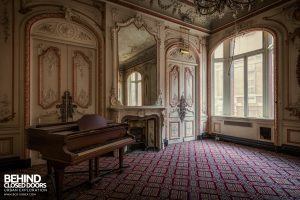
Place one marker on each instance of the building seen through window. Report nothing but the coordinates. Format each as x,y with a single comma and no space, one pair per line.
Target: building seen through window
243,76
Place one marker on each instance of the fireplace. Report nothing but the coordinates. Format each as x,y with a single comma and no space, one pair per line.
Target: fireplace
145,130
145,122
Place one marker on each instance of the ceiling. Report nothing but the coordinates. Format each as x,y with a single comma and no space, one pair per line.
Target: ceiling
184,11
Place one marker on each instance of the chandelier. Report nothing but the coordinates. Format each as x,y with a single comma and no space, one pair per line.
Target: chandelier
208,7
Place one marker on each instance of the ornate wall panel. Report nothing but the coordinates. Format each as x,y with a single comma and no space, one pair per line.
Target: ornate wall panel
217,127
174,130
293,136
7,69
82,79
189,86
49,77
174,85
189,128
6,146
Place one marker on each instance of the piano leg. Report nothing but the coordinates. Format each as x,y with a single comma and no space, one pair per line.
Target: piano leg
91,176
121,150
59,181
96,166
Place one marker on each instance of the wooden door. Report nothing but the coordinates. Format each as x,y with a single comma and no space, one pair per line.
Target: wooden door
63,58
58,68
181,102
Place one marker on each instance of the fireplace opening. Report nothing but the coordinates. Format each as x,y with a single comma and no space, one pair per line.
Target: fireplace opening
145,130
139,134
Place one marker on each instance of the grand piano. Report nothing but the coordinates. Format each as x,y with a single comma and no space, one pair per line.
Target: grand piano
65,144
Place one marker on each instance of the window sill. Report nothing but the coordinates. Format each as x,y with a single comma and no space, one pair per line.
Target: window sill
241,118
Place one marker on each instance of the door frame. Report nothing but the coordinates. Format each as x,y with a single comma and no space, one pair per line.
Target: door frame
198,79
100,87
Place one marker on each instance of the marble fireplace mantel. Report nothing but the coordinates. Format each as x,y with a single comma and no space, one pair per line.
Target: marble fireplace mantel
119,113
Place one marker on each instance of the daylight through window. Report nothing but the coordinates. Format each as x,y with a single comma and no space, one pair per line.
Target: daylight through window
243,76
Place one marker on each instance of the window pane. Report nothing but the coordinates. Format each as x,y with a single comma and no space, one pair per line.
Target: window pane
134,89
238,88
218,88
139,91
255,86
219,51
246,43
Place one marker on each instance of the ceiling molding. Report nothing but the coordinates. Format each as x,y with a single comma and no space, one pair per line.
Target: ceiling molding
159,15
248,16
223,26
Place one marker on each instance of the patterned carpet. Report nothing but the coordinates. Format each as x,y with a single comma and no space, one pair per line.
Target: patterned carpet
192,170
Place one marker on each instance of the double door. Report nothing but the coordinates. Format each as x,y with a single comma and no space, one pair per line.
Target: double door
181,102
61,69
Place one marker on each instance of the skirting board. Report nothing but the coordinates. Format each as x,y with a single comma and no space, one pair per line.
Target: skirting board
287,149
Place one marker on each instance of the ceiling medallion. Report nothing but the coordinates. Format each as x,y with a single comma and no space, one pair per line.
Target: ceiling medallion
208,7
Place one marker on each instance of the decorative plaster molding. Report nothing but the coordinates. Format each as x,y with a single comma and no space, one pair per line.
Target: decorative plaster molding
49,77
159,101
295,108
175,54
63,29
82,75
5,115
182,108
114,101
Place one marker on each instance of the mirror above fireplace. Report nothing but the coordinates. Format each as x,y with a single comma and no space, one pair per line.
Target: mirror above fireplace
137,66
135,57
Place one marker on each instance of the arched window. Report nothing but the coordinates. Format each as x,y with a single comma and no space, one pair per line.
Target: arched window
134,92
242,76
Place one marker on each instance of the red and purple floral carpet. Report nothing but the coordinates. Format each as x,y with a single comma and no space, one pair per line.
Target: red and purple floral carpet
192,170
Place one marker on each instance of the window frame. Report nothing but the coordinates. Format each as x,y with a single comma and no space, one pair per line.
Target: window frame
228,59
136,83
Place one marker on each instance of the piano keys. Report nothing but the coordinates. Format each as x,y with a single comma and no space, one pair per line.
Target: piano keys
66,144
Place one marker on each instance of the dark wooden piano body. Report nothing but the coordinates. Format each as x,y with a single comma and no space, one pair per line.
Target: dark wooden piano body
63,144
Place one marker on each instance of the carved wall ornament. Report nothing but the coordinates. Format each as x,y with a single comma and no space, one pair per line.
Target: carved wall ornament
175,54
159,101
182,108
189,86
5,113
64,30
82,79
292,12
68,14
114,98
49,77
295,109
174,86
67,108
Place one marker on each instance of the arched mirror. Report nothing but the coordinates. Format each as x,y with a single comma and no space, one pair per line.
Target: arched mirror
137,65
